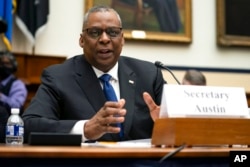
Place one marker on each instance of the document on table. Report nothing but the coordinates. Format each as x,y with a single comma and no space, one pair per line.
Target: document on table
141,143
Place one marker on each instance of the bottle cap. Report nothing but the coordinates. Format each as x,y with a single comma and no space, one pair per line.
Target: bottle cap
15,111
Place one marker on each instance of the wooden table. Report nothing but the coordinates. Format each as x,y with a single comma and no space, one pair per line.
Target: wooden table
27,153
92,152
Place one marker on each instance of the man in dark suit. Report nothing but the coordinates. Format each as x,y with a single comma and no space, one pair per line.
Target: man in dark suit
70,98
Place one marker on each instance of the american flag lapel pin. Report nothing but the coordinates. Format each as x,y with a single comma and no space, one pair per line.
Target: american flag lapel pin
131,82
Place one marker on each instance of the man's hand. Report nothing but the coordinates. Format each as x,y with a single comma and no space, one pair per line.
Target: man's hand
101,123
153,108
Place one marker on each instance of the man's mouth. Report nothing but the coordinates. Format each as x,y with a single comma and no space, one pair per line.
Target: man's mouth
104,51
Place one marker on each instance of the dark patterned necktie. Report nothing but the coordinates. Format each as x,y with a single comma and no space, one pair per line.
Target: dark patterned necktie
110,94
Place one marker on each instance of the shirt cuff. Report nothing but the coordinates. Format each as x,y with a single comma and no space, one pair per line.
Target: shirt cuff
79,129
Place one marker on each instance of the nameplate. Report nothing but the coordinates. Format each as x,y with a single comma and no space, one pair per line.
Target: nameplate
203,101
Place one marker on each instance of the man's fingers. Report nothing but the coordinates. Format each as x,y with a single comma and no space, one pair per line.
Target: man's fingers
149,101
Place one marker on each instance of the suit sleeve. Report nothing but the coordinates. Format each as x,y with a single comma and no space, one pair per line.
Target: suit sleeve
43,113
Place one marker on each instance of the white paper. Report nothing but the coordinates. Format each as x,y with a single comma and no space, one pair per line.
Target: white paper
144,143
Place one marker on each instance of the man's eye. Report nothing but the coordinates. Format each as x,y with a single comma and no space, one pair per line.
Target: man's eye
94,32
112,32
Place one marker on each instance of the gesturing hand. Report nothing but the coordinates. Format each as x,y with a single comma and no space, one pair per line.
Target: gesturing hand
153,108
101,123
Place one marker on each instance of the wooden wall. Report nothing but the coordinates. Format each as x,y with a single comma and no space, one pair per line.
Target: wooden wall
30,68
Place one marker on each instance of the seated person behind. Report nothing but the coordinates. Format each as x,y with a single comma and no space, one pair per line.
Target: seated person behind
194,77
13,92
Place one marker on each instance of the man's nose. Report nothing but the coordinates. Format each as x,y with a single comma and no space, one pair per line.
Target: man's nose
104,36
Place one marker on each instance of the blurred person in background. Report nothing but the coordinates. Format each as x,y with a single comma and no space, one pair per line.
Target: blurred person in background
194,77
13,92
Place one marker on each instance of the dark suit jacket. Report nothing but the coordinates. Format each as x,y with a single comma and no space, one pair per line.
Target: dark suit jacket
71,91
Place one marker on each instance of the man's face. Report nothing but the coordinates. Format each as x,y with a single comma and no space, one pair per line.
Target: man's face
6,67
5,61
102,48
185,82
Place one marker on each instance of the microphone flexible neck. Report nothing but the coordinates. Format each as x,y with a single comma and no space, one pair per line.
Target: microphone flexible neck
162,66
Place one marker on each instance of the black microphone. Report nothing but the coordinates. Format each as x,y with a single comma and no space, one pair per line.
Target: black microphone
162,66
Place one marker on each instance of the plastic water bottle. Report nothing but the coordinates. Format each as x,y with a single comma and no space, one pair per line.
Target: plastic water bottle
14,128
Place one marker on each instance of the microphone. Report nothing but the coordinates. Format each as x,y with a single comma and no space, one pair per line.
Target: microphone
162,66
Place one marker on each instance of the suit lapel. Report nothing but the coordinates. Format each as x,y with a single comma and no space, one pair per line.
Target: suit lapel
89,84
127,81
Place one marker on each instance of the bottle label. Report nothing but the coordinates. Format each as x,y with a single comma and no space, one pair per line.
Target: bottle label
14,130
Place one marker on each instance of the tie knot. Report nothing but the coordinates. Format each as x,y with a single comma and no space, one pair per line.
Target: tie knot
105,78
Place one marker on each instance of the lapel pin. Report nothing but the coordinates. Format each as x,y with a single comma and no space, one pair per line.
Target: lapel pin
130,81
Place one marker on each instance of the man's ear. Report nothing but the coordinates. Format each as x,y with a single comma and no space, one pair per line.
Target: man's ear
123,40
81,42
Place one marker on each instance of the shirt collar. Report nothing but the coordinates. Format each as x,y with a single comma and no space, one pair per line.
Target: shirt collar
113,72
